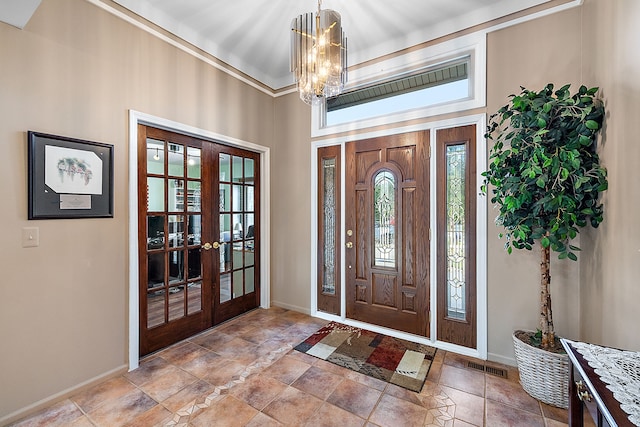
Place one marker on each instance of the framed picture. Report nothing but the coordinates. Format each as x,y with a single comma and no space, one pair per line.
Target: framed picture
69,178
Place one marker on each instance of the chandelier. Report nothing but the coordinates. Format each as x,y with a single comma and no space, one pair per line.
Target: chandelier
318,55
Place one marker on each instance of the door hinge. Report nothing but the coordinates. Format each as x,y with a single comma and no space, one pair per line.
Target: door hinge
429,233
429,151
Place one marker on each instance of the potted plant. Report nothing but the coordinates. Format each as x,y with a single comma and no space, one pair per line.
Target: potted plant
545,178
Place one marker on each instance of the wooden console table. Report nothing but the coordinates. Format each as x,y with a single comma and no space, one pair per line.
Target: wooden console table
588,390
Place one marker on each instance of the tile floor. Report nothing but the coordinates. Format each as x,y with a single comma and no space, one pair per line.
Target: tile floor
245,373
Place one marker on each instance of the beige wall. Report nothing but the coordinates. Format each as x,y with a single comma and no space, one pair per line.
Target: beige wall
291,205
610,265
76,70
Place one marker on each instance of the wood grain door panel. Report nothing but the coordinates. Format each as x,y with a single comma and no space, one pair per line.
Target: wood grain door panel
393,294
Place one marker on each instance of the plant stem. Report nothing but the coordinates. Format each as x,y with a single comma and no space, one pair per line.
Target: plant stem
546,317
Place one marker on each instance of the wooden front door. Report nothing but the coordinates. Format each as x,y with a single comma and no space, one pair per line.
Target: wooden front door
387,226
198,238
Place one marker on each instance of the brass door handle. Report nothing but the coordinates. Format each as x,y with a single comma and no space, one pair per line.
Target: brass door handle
349,245
207,246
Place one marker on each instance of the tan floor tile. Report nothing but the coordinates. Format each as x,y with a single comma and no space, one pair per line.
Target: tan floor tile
403,393
197,392
61,414
183,353
123,410
463,379
259,335
469,407
105,392
499,415
225,373
332,416
262,420
434,371
303,357
227,412
286,369
440,417
554,413
355,397
554,423
511,394
187,374
167,382
147,368
156,416
236,346
293,407
374,383
258,390
391,411
212,340
317,382
203,365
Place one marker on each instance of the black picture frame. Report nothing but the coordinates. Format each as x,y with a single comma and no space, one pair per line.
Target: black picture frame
69,178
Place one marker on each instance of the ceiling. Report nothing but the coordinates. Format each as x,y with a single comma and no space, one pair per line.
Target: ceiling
254,36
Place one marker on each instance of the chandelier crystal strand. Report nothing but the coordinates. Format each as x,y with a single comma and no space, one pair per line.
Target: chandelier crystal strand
318,55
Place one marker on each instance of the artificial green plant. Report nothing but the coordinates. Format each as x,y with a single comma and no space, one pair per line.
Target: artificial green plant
545,176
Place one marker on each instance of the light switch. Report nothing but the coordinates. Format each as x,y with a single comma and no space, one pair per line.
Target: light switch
30,237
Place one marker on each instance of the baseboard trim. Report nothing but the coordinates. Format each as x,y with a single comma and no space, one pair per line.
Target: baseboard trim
64,394
286,306
493,357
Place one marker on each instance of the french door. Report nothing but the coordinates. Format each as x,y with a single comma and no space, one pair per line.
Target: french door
387,222
198,239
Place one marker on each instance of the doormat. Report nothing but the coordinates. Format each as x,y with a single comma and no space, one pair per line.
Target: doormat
380,356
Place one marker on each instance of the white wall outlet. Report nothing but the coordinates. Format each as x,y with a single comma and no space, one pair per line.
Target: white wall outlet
30,237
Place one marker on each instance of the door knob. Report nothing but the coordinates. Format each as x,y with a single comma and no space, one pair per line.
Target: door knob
207,246
349,245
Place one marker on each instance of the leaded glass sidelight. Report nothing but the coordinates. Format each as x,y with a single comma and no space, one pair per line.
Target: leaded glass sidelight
455,235
329,213
384,214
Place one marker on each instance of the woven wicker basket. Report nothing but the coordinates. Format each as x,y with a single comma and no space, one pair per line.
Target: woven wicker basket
544,375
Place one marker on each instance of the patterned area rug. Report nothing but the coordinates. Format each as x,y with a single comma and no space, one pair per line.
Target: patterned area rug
393,360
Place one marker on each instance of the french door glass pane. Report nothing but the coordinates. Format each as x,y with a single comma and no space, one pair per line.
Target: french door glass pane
225,197
176,160
225,287
249,280
194,230
195,264
155,156
176,231
193,162
176,267
155,308
384,208
238,175
225,167
194,193
155,232
237,284
455,230
176,195
155,270
194,297
155,194
176,302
